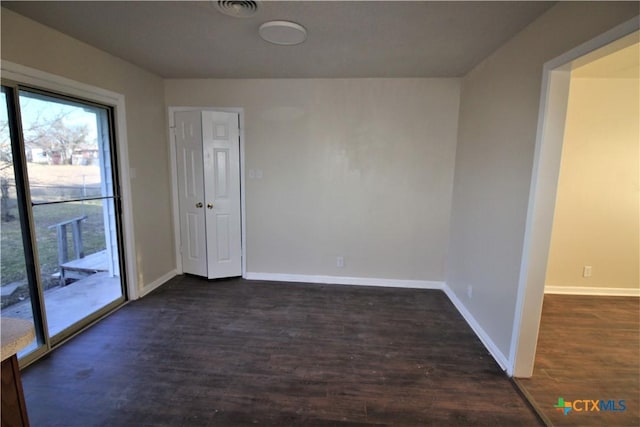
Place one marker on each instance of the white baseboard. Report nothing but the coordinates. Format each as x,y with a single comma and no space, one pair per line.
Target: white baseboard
583,290
475,326
343,280
149,287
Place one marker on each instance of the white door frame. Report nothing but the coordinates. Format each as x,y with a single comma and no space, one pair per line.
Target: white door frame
542,193
174,181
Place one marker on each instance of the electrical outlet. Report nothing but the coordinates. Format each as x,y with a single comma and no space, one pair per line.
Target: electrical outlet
340,262
470,291
586,271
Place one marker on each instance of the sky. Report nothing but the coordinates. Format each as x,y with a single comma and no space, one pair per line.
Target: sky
33,108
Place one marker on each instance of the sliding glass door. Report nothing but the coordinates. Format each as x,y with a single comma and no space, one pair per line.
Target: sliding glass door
64,150
18,282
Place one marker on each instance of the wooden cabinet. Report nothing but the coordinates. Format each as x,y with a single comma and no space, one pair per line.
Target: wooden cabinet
16,335
14,409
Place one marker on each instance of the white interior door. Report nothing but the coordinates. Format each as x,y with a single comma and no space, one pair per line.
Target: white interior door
188,131
222,193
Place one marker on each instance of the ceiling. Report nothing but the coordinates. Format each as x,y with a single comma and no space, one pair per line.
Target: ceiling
184,39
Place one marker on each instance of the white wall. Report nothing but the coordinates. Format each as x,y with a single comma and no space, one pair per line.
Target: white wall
31,44
596,219
497,132
360,168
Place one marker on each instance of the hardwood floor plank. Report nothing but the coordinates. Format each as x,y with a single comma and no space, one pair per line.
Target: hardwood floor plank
235,353
588,348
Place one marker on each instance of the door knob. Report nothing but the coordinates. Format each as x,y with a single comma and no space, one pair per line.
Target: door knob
209,205
199,205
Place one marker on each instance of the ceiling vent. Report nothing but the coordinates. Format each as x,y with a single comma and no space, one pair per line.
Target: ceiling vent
236,8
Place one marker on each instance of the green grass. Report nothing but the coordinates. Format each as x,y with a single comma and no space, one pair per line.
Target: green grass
12,266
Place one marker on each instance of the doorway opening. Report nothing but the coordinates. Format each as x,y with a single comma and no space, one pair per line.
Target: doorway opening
551,127
588,336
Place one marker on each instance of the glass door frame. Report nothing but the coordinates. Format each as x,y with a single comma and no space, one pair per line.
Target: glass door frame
16,77
26,206
43,341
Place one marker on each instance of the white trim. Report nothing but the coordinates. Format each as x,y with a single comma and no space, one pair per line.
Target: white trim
599,291
342,280
542,196
44,80
174,180
542,200
31,76
486,340
150,287
175,209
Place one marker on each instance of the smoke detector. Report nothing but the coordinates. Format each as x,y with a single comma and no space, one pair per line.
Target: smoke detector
285,33
237,8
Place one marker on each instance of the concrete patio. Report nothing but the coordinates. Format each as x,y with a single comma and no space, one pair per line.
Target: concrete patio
67,305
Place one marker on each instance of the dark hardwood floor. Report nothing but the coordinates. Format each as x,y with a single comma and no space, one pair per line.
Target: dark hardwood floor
238,353
588,348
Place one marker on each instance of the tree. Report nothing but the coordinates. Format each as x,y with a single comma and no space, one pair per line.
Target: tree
55,137
46,130
5,141
6,170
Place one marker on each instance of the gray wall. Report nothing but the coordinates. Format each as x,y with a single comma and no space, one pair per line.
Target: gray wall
494,158
360,168
31,44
